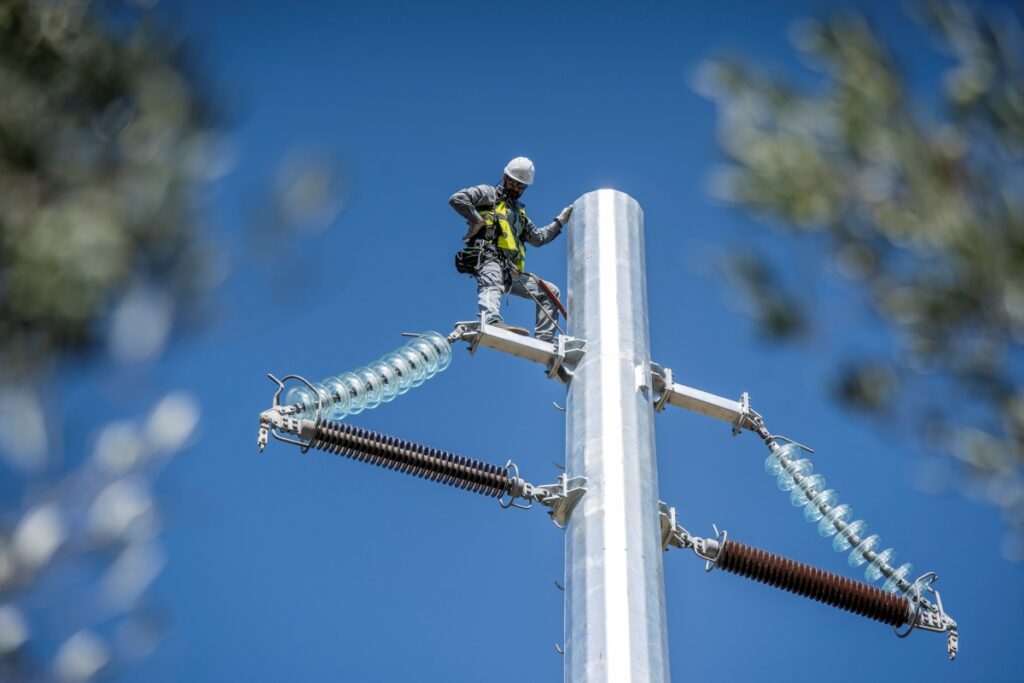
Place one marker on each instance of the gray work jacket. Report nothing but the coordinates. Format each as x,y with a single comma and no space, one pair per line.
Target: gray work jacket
466,201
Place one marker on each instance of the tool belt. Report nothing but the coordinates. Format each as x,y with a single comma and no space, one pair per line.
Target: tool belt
468,260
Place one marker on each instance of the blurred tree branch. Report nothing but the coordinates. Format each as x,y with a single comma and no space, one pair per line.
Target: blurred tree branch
923,211
105,136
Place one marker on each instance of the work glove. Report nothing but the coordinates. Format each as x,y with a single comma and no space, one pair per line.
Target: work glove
474,228
563,217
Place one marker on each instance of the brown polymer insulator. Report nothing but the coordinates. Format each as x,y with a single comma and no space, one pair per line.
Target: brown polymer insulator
817,584
412,458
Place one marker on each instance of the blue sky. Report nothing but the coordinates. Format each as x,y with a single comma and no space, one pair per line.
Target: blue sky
309,567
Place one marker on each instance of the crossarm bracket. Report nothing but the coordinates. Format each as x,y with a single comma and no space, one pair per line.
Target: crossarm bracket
668,392
559,357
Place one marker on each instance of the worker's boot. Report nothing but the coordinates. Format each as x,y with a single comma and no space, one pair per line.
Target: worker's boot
512,328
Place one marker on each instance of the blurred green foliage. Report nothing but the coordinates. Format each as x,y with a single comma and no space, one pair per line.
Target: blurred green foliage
103,136
920,209
105,139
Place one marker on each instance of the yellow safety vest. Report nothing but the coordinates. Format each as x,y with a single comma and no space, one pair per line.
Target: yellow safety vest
506,238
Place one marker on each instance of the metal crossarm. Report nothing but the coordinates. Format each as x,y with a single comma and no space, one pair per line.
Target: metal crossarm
559,357
688,398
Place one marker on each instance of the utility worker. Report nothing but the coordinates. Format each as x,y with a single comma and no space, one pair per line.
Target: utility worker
498,229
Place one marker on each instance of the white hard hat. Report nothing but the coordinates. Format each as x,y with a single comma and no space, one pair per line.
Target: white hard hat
520,169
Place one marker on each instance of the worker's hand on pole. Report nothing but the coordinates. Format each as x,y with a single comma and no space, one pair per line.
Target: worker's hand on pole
563,217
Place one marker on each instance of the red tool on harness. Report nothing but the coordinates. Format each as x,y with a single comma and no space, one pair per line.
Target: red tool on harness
551,295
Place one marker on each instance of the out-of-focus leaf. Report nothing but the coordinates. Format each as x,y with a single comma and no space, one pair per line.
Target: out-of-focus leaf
867,385
105,136
101,134
923,212
777,311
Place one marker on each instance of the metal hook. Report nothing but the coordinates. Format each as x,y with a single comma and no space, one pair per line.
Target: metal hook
789,440
511,467
724,536
923,582
280,388
303,445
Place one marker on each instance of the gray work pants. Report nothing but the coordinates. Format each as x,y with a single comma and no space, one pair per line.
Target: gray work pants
492,281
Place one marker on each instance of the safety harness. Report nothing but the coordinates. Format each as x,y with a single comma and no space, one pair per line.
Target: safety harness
499,230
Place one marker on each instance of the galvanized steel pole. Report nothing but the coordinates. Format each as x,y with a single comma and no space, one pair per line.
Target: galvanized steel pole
615,615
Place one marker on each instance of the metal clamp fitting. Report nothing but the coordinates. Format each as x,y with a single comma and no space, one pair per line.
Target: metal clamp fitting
562,497
285,418
666,375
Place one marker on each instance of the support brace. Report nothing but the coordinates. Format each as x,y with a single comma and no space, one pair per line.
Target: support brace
561,497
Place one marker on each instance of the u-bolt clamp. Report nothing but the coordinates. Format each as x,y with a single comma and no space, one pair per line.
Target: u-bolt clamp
662,376
278,418
674,534
562,497
568,353
468,330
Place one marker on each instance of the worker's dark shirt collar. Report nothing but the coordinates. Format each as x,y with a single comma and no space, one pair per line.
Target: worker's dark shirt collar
504,196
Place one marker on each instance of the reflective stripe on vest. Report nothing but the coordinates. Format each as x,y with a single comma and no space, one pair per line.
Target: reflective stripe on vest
507,239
